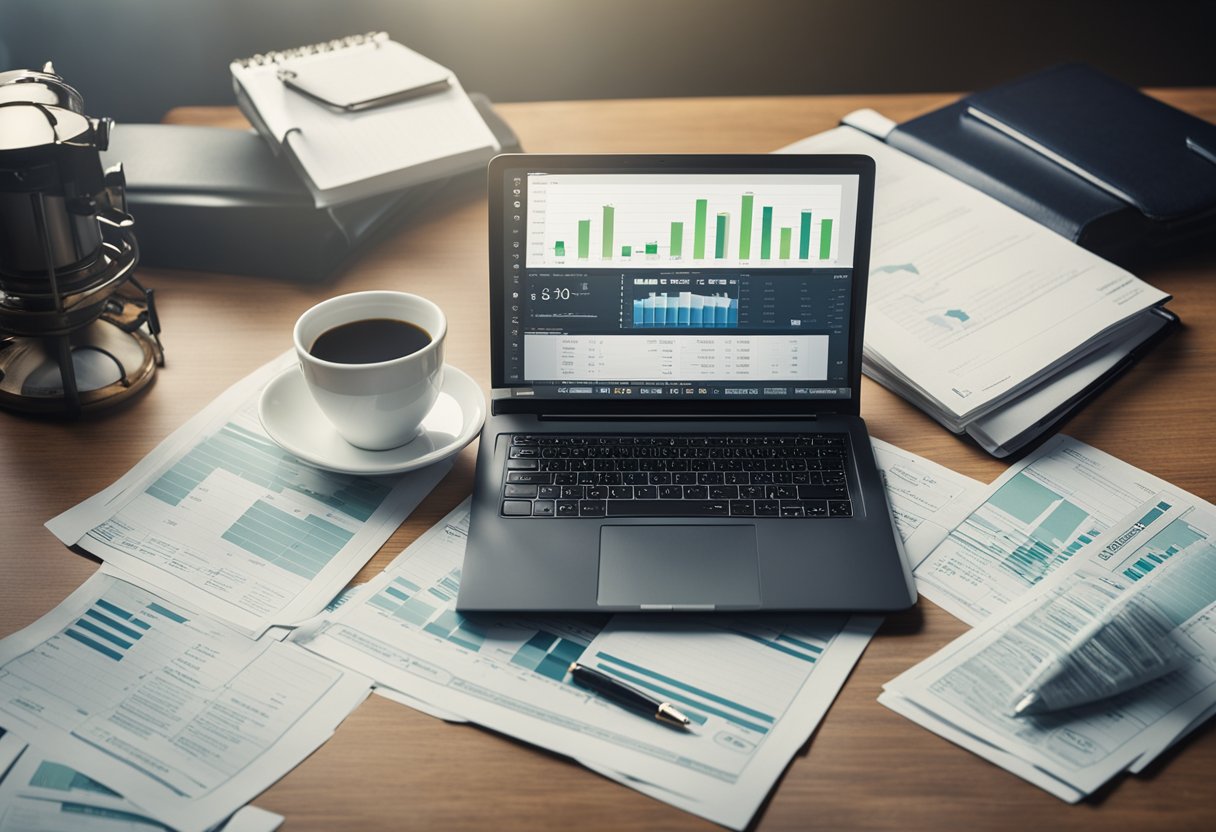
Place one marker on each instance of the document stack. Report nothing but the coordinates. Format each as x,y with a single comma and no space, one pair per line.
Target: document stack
991,323
1160,556
362,116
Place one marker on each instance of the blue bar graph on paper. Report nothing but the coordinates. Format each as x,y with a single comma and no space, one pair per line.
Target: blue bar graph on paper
430,609
1056,529
1023,499
76,635
686,309
133,635
108,629
62,778
301,545
548,654
401,599
258,460
1165,544
784,644
113,608
165,613
104,634
695,701
457,629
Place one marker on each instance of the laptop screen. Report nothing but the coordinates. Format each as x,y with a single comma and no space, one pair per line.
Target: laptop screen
665,284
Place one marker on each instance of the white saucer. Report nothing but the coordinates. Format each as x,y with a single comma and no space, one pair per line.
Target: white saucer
293,420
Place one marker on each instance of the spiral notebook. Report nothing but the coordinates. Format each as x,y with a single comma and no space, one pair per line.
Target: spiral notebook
362,115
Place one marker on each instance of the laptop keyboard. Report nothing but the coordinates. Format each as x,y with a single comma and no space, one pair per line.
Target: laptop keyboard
721,475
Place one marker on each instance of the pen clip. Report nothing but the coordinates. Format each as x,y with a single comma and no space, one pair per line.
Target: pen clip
355,103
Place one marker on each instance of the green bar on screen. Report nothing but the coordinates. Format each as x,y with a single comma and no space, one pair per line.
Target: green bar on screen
766,233
607,248
745,227
584,239
698,231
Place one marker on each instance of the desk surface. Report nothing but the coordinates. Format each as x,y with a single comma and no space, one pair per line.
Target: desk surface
390,767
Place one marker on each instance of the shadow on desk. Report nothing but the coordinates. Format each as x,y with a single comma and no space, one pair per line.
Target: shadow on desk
907,623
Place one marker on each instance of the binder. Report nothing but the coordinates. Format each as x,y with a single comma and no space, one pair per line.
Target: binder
362,116
1110,168
218,200
1041,161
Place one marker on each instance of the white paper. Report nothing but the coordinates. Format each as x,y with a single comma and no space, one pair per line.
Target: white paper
1006,430
927,500
1010,762
187,717
1032,520
1163,549
756,686
971,302
49,796
221,517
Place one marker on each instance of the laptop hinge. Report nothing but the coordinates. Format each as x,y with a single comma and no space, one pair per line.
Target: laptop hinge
674,417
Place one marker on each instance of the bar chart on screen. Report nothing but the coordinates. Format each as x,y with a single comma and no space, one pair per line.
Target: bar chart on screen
660,221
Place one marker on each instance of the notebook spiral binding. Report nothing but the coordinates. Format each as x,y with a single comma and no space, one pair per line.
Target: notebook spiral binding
270,58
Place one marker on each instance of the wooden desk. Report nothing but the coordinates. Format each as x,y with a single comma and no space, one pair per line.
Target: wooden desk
389,767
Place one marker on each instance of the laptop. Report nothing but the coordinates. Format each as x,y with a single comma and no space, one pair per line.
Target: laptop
676,362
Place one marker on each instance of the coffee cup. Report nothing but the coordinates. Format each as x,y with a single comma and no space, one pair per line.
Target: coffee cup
373,362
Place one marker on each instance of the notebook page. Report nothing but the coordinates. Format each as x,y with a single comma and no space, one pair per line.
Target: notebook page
339,149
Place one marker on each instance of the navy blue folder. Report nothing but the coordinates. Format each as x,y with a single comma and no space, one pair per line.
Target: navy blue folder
1114,170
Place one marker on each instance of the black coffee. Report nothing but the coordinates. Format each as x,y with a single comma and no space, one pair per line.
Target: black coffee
369,341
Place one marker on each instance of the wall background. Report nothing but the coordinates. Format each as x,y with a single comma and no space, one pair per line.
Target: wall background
134,59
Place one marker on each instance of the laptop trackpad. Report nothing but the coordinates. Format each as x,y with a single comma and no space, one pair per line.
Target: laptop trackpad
665,566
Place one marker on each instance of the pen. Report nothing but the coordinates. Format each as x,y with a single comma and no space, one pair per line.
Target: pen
627,696
1128,646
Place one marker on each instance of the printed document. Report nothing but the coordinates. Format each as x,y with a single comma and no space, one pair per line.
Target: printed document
1033,519
1161,550
52,797
970,302
755,686
148,696
223,518
927,500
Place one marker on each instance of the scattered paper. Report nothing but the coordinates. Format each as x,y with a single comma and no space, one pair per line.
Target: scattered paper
756,686
157,701
1161,550
223,518
927,500
1033,519
52,797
